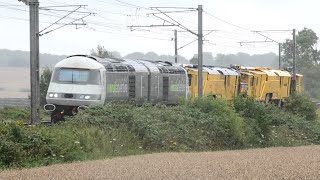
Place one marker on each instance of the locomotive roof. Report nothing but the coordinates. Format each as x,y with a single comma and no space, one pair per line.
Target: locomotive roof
282,73
218,70
127,65
269,73
79,62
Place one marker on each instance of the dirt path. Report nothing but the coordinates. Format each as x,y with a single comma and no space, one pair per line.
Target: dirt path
272,163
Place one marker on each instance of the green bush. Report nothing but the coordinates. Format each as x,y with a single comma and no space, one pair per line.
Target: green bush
44,84
267,125
199,124
24,146
301,105
117,129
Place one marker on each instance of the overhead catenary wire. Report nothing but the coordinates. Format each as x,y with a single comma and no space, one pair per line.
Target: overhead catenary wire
41,34
59,19
63,10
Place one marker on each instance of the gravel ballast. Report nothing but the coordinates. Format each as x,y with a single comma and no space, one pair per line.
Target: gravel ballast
270,163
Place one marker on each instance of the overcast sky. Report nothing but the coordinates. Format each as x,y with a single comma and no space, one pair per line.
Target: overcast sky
109,26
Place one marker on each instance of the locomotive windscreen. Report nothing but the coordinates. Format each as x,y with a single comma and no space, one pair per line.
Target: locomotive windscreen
77,76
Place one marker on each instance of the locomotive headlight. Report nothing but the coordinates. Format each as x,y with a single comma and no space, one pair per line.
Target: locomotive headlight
55,95
87,97
51,95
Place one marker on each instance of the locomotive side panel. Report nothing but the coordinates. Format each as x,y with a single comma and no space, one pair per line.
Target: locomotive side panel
177,88
155,87
117,86
141,86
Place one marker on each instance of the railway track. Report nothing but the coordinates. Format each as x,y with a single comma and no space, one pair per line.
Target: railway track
11,102
317,103
24,102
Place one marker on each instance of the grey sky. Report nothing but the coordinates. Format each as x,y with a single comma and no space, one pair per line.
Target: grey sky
109,26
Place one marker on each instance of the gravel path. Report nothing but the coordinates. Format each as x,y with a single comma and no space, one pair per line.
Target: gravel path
271,163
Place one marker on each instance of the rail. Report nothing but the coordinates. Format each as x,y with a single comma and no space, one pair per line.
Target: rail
11,102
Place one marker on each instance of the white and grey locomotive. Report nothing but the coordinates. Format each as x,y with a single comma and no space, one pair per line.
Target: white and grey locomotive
80,81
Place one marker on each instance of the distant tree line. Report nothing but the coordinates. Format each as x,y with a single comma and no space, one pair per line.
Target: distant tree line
10,58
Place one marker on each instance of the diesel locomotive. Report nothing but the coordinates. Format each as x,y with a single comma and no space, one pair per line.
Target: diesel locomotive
80,80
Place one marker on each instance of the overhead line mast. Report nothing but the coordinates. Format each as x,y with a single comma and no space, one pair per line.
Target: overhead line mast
34,55
169,21
34,59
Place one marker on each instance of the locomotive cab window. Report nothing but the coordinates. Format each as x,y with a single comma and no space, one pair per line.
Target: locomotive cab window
77,76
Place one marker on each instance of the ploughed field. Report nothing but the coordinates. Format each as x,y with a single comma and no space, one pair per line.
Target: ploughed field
14,82
270,163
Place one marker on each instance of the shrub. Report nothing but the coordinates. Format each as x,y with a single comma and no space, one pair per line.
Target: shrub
24,146
198,124
301,105
270,126
44,84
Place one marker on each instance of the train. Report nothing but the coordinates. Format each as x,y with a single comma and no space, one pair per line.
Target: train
80,81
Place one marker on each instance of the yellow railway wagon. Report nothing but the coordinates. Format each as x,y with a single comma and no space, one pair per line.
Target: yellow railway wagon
217,82
285,83
263,84
267,84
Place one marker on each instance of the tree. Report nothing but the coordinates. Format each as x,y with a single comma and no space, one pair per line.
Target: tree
101,52
307,59
307,55
207,59
194,59
243,59
44,84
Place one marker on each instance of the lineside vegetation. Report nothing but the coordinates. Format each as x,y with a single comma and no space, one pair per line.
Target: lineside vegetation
120,129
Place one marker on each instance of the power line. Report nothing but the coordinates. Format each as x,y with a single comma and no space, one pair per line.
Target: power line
26,20
57,2
12,5
175,21
123,4
181,11
227,22
145,37
133,5
60,6
275,31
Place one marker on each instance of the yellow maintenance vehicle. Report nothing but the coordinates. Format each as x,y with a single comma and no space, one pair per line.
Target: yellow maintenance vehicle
218,82
266,84
263,84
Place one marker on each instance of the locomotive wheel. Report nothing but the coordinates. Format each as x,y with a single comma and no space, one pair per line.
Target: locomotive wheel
56,116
